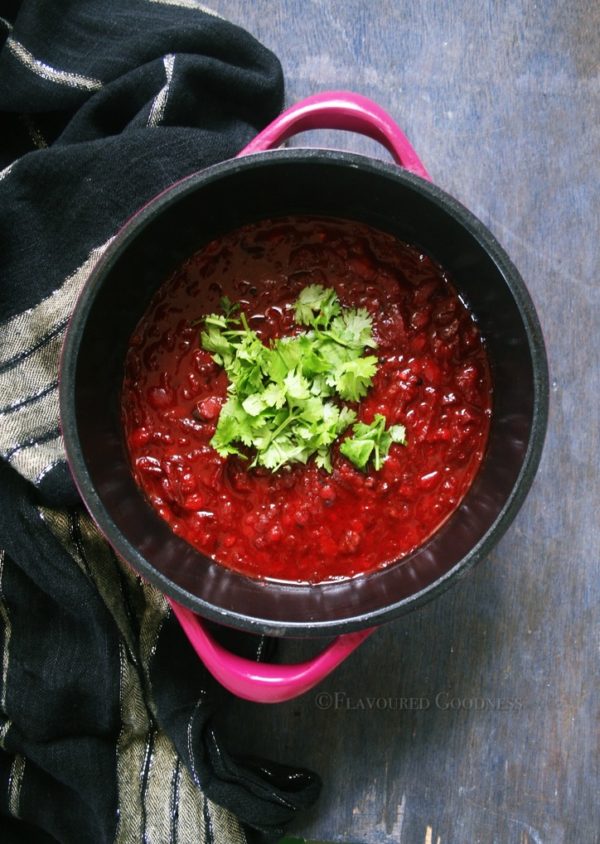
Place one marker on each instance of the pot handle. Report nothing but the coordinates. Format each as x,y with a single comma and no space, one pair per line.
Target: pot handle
257,681
340,110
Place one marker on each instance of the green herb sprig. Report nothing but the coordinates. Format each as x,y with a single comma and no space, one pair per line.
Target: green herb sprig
283,399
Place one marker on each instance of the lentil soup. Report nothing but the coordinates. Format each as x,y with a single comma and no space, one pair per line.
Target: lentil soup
303,523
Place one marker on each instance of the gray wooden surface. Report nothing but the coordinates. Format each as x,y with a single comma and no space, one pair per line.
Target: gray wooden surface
502,101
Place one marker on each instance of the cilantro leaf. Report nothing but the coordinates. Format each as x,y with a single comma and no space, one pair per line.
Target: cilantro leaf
228,307
274,395
214,341
226,434
371,441
398,434
357,451
354,377
254,404
297,386
316,305
354,327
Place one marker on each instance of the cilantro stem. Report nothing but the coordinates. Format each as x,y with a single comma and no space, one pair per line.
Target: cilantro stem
283,426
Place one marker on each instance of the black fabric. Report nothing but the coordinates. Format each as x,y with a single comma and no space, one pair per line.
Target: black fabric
103,104
103,161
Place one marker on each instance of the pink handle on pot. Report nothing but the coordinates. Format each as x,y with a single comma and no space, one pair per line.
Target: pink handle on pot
258,681
340,110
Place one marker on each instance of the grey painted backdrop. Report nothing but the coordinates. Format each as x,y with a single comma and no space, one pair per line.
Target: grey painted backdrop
502,101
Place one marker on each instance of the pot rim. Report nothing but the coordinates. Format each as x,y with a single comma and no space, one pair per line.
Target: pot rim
276,627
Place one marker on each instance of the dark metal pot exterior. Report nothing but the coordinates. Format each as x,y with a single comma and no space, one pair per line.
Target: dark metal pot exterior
317,183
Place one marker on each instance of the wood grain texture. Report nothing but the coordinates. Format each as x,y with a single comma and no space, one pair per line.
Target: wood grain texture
502,101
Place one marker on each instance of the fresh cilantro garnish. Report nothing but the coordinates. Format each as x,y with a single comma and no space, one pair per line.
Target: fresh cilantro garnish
316,305
372,441
283,399
354,377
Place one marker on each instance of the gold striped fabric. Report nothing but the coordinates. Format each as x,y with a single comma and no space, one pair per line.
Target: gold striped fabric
49,73
30,347
160,801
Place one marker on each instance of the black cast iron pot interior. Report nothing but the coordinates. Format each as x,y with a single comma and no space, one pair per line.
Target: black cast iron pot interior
216,201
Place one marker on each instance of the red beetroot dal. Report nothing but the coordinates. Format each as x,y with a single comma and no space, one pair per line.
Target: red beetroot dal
301,523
